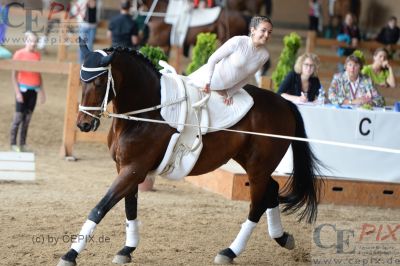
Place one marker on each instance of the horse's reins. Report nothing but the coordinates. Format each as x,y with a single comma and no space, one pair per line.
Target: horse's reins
129,116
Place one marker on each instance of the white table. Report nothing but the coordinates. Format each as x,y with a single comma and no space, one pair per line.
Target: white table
371,128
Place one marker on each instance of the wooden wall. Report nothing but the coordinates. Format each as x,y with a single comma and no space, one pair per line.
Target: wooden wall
374,13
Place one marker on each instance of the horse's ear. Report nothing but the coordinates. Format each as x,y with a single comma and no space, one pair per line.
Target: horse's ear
106,60
82,45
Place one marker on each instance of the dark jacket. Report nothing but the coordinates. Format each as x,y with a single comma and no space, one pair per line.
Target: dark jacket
388,35
292,85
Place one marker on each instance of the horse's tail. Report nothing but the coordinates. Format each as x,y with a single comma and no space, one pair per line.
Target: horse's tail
302,188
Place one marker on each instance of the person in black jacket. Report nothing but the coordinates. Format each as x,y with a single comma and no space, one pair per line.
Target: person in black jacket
302,85
122,29
389,35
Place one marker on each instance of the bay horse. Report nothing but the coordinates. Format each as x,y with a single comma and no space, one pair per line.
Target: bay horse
131,82
253,7
229,23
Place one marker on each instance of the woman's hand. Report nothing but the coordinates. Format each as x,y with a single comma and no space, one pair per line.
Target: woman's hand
42,96
19,98
385,64
302,98
362,100
206,88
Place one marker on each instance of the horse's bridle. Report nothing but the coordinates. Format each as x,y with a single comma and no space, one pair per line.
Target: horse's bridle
110,84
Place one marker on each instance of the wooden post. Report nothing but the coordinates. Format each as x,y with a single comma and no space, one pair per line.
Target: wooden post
266,83
310,42
175,59
62,48
71,109
65,23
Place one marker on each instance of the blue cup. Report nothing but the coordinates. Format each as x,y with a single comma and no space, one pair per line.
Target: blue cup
397,106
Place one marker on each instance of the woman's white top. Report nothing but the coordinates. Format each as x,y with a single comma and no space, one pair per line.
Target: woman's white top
230,67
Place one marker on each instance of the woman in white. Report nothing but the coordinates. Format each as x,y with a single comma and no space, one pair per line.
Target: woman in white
229,68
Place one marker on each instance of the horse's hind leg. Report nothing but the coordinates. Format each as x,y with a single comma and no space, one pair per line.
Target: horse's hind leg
264,199
273,215
126,183
132,230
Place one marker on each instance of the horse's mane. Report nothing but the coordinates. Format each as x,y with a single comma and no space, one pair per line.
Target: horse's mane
135,53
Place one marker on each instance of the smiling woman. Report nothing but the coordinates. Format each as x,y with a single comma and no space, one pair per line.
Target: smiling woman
302,84
230,67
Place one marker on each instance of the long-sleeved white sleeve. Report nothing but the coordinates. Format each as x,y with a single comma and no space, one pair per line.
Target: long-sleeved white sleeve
230,67
222,52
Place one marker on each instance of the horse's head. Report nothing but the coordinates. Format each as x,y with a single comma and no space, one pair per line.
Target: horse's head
95,82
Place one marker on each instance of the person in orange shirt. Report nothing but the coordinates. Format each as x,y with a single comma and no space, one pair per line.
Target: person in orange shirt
27,85
210,3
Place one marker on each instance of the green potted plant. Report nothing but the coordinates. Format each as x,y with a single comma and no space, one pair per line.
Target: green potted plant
206,44
154,54
287,58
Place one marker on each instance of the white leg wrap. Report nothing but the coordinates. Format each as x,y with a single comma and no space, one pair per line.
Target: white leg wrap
239,244
81,240
275,228
132,233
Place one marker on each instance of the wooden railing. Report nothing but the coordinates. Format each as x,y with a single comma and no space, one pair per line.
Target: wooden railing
313,43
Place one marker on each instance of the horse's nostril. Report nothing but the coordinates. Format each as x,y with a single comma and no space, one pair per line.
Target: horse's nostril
85,127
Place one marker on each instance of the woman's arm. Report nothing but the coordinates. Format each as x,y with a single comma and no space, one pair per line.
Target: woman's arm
375,98
390,80
334,94
42,94
286,89
18,94
294,98
225,50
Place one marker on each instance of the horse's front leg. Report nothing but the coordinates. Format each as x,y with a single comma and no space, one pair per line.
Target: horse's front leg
264,199
125,184
132,230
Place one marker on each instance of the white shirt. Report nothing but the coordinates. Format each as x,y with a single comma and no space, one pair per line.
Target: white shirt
230,67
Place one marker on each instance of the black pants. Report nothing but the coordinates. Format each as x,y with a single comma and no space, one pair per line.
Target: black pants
313,25
22,117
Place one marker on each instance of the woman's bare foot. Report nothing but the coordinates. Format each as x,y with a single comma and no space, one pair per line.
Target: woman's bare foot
227,99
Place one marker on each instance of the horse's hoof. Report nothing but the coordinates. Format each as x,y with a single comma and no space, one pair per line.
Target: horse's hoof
290,244
225,256
286,241
66,263
121,259
222,259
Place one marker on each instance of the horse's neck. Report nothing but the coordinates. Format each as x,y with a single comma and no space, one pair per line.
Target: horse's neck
136,89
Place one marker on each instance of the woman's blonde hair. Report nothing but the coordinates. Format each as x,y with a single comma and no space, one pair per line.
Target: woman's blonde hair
300,60
29,34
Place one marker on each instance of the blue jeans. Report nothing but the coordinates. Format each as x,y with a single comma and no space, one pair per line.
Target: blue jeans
88,34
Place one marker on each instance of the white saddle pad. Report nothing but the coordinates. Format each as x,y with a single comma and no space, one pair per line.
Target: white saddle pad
220,115
185,146
198,16
182,16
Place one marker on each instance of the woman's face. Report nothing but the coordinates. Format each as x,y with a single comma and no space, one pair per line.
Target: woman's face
308,67
30,42
380,57
261,33
352,69
349,19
